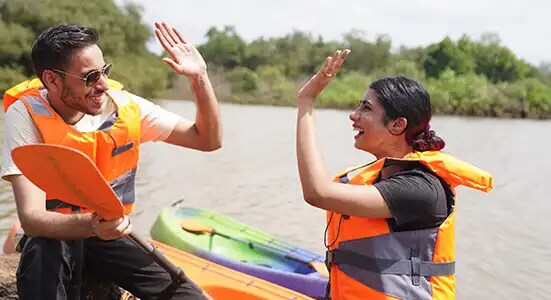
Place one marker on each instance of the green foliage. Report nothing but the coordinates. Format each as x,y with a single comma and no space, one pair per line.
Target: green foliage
446,55
536,98
122,38
467,76
469,94
367,56
270,76
243,80
494,61
401,67
10,76
17,41
223,48
345,91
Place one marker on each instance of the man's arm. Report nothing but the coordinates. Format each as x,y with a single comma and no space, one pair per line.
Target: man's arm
206,133
30,201
38,222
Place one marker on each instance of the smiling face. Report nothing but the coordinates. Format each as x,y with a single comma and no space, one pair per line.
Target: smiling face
377,134
368,121
73,91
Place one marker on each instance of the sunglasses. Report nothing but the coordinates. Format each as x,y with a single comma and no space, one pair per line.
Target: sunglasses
91,77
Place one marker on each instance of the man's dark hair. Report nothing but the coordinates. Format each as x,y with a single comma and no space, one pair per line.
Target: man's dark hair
54,47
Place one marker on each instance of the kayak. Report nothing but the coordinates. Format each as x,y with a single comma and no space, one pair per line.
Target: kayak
228,242
224,283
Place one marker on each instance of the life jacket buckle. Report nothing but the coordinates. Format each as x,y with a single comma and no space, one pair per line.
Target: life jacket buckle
330,258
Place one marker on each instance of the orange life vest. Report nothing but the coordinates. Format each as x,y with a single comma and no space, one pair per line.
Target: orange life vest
114,147
369,261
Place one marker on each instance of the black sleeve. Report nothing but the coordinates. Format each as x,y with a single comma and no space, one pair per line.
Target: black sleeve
416,198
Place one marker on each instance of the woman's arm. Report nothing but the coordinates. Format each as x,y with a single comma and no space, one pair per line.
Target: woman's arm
317,187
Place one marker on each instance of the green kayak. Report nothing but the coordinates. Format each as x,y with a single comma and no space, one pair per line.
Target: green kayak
226,241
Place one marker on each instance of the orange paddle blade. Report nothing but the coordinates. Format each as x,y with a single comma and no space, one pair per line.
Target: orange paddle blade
68,175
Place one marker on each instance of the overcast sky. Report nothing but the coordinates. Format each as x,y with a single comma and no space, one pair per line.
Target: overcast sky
523,26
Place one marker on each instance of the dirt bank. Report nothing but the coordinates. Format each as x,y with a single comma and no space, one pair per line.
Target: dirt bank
8,288
8,266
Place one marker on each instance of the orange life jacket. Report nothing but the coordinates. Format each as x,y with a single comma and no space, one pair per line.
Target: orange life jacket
369,261
114,147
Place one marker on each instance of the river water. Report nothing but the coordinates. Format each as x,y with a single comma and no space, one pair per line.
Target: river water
502,249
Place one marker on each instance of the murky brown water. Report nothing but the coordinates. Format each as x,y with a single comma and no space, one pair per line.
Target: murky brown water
502,247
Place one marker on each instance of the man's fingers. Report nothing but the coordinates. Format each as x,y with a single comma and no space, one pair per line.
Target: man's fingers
165,34
172,34
171,63
128,230
180,36
162,39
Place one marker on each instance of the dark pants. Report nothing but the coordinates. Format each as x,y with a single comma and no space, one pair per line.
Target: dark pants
53,269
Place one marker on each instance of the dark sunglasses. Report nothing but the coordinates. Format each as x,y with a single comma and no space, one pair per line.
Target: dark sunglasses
91,77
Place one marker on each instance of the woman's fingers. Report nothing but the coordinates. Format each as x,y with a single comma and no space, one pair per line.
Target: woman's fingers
325,69
340,60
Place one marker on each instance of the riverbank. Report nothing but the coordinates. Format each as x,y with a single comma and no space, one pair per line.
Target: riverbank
8,286
8,266
451,95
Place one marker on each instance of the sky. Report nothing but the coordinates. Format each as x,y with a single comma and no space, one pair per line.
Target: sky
523,26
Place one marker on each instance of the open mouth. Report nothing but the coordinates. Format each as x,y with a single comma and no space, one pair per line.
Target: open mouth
359,130
96,98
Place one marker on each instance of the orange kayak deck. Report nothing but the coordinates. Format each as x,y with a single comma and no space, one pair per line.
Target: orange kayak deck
224,283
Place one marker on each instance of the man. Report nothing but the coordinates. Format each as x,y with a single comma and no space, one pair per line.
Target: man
77,108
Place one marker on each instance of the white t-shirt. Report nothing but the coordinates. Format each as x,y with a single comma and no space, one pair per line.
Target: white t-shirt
19,128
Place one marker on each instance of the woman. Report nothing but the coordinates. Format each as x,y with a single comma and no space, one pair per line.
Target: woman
390,226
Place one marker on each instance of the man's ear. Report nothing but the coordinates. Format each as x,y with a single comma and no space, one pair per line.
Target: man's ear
52,81
397,126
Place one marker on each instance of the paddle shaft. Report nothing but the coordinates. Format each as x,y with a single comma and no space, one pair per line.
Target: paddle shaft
176,273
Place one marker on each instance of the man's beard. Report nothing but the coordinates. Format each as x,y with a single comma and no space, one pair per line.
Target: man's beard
76,103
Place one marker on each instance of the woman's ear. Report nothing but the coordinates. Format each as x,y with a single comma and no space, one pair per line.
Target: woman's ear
397,126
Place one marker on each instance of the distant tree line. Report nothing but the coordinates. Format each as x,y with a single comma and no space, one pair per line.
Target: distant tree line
466,77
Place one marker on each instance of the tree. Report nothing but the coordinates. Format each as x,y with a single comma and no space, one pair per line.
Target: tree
492,60
367,56
123,38
223,47
446,55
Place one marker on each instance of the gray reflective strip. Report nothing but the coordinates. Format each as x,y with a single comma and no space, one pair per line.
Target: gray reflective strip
54,204
391,266
121,149
38,107
109,122
124,186
410,246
